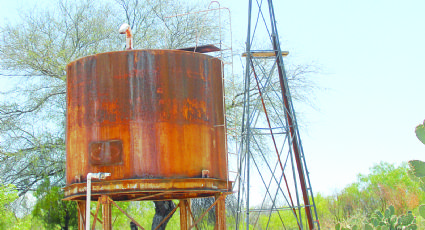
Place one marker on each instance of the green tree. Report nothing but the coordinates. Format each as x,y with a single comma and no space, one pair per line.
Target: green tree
390,185
8,194
10,217
386,185
34,52
52,209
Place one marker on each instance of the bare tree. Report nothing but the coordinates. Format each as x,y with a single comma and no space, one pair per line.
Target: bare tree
34,52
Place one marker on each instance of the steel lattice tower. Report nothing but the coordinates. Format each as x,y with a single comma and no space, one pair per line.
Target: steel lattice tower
270,151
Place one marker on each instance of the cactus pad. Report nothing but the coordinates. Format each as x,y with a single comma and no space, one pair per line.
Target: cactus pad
368,227
392,210
422,211
412,227
387,213
418,168
405,220
420,132
338,226
379,215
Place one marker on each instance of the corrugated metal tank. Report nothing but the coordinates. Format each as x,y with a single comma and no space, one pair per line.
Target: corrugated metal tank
145,114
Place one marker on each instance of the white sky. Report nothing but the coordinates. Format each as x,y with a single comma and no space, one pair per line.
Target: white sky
372,56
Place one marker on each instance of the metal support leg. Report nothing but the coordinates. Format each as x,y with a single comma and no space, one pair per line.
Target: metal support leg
81,206
220,212
185,218
106,212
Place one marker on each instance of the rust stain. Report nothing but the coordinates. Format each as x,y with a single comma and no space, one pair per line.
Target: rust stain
134,188
194,110
138,188
164,106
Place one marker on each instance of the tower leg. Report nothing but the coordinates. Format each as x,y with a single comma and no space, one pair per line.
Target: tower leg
185,217
220,212
106,212
81,206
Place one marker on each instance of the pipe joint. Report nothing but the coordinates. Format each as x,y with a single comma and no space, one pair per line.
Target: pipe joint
90,176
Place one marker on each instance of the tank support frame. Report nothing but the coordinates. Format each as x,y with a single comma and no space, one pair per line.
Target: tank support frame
187,220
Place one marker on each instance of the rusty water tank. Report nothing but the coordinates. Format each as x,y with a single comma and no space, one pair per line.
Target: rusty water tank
154,119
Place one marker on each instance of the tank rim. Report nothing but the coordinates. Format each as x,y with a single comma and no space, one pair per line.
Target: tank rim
154,189
144,50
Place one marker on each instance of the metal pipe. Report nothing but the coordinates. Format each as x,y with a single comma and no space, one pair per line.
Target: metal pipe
99,176
125,29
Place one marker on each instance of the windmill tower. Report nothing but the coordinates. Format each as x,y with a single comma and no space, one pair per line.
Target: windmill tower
270,151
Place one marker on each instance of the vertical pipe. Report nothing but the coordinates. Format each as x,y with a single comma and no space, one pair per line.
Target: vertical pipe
88,200
88,195
126,29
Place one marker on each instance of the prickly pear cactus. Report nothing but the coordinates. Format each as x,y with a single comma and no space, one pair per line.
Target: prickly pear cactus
368,227
420,132
378,215
393,221
387,221
418,167
374,221
405,220
392,210
387,213
385,228
338,226
422,211
412,227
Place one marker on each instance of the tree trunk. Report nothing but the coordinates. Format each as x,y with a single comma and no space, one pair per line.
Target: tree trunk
133,226
67,218
162,209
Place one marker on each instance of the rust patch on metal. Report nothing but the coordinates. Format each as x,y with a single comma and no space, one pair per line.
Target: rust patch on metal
105,153
138,188
165,107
